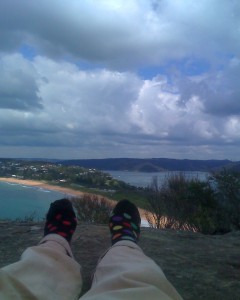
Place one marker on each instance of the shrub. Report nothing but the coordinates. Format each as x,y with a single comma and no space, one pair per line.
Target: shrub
31,217
226,185
203,216
178,206
92,209
155,205
181,203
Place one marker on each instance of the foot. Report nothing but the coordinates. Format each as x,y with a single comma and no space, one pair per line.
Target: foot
125,222
61,219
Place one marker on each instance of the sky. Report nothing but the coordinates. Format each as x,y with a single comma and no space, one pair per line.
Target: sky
116,78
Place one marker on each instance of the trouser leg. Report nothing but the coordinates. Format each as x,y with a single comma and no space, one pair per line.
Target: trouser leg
45,272
125,272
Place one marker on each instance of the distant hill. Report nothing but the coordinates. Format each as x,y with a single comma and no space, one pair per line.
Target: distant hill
151,164
235,166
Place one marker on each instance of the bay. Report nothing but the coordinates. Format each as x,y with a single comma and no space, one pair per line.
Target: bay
143,179
20,202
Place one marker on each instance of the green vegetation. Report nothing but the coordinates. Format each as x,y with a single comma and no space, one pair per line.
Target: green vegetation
53,173
59,174
92,209
74,177
151,164
210,207
227,194
189,204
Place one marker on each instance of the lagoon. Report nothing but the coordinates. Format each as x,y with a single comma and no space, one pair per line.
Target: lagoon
143,179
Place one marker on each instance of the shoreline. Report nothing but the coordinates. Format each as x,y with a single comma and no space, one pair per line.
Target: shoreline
67,191
43,185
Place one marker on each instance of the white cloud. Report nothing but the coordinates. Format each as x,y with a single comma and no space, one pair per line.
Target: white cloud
90,107
218,90
122,34
92,100
232,129
79,91
18,88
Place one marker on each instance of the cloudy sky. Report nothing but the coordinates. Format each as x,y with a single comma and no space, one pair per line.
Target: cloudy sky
117,78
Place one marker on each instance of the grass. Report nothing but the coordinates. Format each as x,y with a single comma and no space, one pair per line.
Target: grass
136,196
31,217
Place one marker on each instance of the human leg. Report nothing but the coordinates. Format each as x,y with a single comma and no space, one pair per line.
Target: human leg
46,271
125,272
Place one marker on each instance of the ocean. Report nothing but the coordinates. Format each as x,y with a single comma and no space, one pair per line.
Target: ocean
20,201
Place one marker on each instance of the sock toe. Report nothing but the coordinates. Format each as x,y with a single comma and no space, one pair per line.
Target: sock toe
61,219
125,222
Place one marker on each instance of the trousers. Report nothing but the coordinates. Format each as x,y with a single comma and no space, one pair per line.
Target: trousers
49,271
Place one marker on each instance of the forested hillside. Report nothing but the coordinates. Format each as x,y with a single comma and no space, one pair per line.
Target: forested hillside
151,164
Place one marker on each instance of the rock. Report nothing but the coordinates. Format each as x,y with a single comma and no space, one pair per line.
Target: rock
199,266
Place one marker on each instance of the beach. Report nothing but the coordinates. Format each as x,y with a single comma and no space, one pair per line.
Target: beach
67,191
43,185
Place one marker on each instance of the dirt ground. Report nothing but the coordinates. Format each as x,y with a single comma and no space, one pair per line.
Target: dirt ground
199,266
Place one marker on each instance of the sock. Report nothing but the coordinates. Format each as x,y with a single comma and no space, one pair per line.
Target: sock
125,222
61,219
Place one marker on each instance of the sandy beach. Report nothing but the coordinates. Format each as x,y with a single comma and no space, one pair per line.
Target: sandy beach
43,185
67,191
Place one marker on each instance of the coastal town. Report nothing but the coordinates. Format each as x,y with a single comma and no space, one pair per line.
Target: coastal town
56,173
